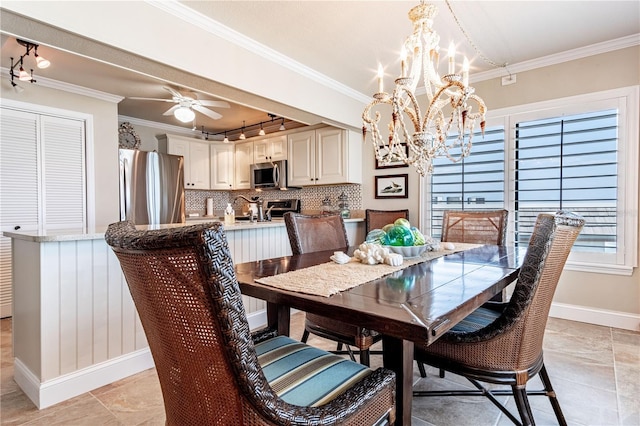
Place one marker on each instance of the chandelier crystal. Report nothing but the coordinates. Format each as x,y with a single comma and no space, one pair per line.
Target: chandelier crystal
446,126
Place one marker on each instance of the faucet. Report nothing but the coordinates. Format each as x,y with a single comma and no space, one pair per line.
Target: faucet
258,202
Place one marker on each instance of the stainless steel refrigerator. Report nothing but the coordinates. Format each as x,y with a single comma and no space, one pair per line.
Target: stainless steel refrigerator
151,187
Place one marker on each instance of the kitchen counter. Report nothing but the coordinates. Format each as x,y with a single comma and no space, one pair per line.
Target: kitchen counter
78,234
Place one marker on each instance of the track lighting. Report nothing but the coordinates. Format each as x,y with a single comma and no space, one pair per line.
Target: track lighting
242,136
269,128
22,74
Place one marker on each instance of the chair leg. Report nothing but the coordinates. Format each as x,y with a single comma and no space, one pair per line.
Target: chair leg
522,402
305,336
364,357
441,373
552,396
423,371
353,358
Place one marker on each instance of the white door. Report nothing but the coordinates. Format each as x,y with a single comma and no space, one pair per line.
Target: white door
42,180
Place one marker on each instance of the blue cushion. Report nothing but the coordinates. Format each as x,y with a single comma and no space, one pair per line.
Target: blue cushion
478,319
304,375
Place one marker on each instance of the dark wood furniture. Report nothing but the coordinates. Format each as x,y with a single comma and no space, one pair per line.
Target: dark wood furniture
503,343
310,233
212,369
412,307
376,219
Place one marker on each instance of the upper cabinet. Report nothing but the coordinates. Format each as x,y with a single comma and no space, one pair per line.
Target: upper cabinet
196,159
243,161
270,149
222,165
324,156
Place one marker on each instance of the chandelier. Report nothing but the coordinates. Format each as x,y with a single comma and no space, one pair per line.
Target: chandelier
445,128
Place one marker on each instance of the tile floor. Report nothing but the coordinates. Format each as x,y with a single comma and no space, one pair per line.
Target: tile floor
595,371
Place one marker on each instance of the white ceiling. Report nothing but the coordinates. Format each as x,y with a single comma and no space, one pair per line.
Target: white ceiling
345,40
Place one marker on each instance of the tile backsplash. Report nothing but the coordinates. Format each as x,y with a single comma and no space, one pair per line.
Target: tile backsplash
310,197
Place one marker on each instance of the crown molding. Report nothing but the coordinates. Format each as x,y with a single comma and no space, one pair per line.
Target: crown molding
558,58
216,28
71,88
153,124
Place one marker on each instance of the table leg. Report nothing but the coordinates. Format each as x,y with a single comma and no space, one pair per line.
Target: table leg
279,316
398,357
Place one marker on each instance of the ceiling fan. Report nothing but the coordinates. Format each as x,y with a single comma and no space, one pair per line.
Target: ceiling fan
186,104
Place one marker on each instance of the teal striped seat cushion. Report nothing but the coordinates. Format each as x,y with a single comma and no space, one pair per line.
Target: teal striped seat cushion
478,319
304,375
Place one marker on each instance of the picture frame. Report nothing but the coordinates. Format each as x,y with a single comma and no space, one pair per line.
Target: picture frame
394,164
392,186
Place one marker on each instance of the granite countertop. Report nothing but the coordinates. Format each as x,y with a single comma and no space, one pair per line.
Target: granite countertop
97,233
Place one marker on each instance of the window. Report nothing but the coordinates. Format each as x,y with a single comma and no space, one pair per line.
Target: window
578,154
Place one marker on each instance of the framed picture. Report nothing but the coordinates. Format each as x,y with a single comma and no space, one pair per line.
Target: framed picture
393,164
392,186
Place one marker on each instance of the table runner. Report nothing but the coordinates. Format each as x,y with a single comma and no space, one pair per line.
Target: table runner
330,278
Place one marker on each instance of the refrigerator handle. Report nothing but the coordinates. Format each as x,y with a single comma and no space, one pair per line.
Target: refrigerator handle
123,187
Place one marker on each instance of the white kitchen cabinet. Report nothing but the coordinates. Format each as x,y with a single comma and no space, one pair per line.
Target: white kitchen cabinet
222,161
196,159
243,162
324,156
270,149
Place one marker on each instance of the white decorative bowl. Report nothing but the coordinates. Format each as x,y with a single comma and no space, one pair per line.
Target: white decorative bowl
409,251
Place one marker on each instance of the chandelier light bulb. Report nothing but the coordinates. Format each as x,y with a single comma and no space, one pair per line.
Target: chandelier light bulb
452,58
403,62
380,76
184,114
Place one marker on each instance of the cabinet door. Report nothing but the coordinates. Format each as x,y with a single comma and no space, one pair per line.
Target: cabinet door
199,164
331,156
301,165
222,160
244,159
278,148
181,147
261,151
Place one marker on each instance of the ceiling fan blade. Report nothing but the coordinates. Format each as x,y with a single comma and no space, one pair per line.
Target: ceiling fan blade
217,104
173,92
207,112
170,110
150,99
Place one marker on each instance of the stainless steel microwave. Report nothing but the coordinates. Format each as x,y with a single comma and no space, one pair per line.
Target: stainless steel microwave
272,175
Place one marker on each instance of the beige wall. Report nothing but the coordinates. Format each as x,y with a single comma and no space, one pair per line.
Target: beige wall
105,140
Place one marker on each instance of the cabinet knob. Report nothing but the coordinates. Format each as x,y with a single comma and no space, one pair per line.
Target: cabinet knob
15,228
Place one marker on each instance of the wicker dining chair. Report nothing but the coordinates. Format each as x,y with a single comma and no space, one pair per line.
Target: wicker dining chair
475,226
311,233
212,369
504,345
376,219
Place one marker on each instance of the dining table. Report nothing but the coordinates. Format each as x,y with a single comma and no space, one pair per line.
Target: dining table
413,304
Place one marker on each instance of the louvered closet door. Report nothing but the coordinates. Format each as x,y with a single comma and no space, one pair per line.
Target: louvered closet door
42,180
19,180
63,173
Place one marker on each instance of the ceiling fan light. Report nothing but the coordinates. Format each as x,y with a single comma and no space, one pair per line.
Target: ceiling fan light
184,114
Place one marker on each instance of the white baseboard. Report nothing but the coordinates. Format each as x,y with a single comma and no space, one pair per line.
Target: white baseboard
616,319
257,319
51,392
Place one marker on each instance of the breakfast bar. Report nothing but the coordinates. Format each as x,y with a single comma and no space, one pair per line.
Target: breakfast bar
75,327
